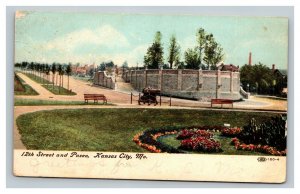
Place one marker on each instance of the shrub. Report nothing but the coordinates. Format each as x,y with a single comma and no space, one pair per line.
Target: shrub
272,133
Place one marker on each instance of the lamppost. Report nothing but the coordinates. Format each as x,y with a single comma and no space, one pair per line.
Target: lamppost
248,88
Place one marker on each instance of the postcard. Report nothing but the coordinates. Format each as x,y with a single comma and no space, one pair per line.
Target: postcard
152,97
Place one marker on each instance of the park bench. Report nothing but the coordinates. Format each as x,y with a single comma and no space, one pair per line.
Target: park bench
95,97
221,101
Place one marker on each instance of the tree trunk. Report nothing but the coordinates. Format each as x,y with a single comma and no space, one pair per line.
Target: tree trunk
68,83
53,81
59,84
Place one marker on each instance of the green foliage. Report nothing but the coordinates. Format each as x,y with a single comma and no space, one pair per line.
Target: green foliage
102,66
125,65
201,42
34,102
192,59
21,88
69,69
213,51
58,90
39,80
174,52
259,77
271,132
154,56
181,65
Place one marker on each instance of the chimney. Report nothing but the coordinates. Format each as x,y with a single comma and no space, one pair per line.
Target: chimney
250,59
273,67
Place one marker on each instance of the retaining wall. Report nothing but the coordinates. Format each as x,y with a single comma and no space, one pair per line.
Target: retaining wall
202,85
102,79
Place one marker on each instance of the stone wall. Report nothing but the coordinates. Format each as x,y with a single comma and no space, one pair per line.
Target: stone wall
102,79
202,85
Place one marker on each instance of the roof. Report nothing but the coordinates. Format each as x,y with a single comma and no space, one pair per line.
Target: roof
283,71
228,67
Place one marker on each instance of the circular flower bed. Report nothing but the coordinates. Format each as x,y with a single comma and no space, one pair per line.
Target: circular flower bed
199,139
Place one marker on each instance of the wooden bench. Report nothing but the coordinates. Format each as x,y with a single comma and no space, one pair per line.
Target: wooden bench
221,101
95,97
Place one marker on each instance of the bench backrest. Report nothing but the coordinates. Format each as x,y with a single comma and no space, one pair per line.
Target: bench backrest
94,96
221,101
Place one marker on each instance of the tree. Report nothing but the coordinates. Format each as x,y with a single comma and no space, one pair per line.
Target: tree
102,66
201,39
181,65
60,73
68,71
258,78
47,71
192,59
213,52
154,56
174,50
125,65
53,70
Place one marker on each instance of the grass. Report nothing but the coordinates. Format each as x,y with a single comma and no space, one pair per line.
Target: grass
58,90
21,88
33,102
113,129
37,79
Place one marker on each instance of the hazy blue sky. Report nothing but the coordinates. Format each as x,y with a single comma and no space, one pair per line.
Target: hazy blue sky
92,38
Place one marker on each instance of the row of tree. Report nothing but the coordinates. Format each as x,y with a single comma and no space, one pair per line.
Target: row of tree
205,55
258,78
43,70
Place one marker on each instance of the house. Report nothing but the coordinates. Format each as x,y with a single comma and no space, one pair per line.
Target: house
82,70
280,81
229,67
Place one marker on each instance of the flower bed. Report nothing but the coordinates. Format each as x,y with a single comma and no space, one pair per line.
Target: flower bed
258,148
231,132
199,139
185,133
148,140
200,143
202,138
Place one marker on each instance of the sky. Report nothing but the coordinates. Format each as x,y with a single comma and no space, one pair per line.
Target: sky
88,38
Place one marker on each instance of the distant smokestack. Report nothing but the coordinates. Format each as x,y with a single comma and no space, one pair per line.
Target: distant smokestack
273,67
250,59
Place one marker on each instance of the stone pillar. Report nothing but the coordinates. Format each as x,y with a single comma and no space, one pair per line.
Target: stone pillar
200,79
160,73
130,76
103,79
136,84
145,78
219,83
179,79
231,82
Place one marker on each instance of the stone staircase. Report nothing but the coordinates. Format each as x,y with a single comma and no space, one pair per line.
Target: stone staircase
244,94
122,86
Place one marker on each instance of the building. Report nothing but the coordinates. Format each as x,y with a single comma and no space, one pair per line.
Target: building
280,82
229,67
82,70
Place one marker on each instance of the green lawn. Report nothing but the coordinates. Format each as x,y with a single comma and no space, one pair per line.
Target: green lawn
21,88
58,90
113,129
37,79
33,102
